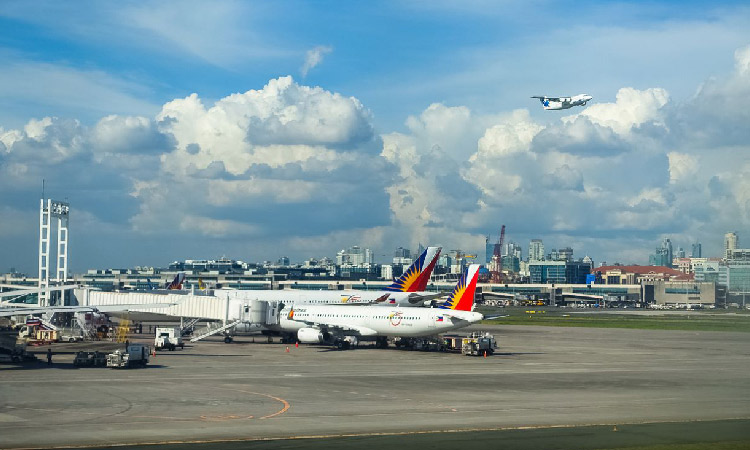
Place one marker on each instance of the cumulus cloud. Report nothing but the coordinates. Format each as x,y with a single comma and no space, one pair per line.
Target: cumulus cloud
313,57
288,164
639,165
273,156
682,167
281,123
631,108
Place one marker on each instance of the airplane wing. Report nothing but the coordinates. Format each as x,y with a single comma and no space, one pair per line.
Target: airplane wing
544,97
497,316
416,298
357,329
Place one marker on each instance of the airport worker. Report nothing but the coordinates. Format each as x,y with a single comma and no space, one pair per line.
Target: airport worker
49,356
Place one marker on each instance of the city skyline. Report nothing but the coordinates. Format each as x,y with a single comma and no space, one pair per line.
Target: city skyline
246,130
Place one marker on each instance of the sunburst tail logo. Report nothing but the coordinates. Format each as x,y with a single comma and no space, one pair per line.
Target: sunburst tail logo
462,297
415,278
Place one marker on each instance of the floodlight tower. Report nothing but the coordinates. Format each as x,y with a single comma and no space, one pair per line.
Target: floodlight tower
60,211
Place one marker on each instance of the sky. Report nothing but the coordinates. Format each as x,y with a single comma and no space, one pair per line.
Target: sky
255,130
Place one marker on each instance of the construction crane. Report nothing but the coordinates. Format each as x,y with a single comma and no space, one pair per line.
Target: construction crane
496,265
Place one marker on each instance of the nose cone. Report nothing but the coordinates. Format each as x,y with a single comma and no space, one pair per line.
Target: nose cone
587,98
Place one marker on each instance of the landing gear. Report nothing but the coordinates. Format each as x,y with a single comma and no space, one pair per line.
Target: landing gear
228,339
343,344
288,338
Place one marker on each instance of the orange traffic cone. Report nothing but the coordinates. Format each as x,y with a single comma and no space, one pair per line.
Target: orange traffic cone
485,353
296,344
287,349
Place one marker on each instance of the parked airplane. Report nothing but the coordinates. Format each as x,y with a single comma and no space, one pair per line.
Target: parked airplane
554,103
344,326
176,284
407,290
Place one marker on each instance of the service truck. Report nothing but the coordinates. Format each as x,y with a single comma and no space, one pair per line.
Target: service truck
169,338
476,344
133,356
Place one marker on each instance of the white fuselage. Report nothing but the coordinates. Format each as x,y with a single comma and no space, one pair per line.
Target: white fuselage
370,321
554,103
321,297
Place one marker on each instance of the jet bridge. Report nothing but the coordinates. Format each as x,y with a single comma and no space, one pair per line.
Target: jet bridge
253,315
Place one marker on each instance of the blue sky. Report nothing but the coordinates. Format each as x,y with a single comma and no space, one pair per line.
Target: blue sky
259,129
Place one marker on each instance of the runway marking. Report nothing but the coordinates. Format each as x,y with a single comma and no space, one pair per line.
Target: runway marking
281,400
206,418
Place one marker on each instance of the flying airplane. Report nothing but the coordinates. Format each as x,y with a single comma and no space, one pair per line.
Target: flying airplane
554,103
344,326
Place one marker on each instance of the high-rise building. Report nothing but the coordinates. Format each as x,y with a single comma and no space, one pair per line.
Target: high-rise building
402,256
511,257
731,241
680,252
696,253
354,256
666,245
536,250
663,255
489,249
565,254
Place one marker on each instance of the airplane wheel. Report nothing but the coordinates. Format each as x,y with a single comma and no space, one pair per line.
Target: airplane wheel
227,340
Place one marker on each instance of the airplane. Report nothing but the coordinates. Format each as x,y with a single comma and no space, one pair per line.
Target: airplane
344,326
555,103
407,290
176,284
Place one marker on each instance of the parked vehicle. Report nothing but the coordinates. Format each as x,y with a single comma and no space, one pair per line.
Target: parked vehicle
90,359
134,355
168,338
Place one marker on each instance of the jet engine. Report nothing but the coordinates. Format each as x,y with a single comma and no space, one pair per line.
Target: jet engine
313,336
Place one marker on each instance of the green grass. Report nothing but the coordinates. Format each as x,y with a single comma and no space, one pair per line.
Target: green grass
736,445
697,321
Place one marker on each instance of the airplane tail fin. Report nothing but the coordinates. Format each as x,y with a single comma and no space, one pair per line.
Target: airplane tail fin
416,277
462,297
177,282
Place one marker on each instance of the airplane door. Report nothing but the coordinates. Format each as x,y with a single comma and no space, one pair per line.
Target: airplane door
433,319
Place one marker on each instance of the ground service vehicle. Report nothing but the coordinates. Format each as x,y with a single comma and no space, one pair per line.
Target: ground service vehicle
90,359
169,338
476,344
135,355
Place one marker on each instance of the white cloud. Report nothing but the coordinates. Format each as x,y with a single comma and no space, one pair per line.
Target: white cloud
632,108
742,60
682,167
313,57
280,124
292,163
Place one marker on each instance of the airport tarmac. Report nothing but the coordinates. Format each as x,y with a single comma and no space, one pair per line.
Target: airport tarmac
540,377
